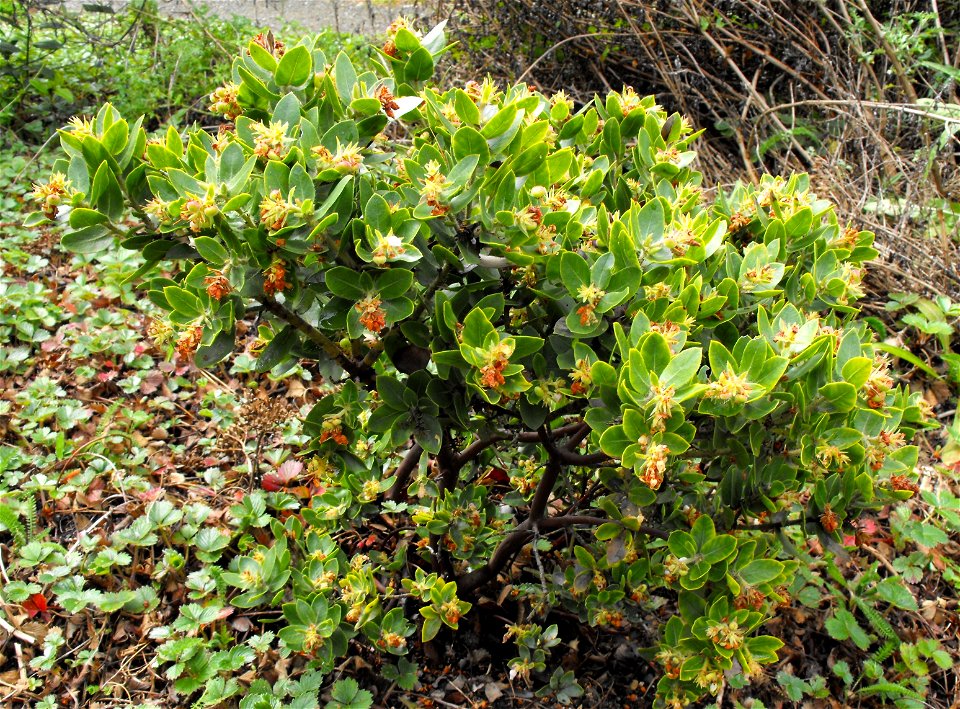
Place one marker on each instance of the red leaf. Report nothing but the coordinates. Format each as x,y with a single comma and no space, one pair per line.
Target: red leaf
496,475
35,605
272,482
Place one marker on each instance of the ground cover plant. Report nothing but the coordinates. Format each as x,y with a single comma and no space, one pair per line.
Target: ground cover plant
555,382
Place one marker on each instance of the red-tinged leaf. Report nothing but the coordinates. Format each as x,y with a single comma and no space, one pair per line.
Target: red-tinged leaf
35,605
225,612
290,469
496,475
286,473
301,491
151,494
271,482
54,343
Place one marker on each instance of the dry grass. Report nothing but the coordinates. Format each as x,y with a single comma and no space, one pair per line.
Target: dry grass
780,86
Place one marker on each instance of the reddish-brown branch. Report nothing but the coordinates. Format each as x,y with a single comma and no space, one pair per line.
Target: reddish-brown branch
521,535
403,472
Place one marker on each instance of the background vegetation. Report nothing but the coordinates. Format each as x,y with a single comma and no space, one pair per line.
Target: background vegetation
151,459
861,94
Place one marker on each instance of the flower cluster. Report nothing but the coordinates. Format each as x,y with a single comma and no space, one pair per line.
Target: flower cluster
387,248
727,634
198,212
188,341
372,316
274,278
491,374
590,296
51,193
346,161
729,386
270,141
275,210
654,466
224,101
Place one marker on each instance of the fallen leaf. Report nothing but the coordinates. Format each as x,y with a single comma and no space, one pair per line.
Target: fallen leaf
35,605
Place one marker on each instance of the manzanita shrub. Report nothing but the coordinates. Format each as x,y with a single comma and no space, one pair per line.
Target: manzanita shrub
556,367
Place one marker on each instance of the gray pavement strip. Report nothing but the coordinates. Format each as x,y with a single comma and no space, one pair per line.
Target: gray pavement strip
355,16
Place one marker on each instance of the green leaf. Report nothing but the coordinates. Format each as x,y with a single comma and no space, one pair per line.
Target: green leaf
608,530
115,137
500,123
217,351
346,694
655,352
530,159
614,441
718,548
183,301
799,224
34,219
261,56
344,282
465,107
406,40
682,368
394,283
764,647
681,544
295,67
89,240
476,328
760,571
431,626
287,111
895,592
469,141
843,626
574,271
278,349
105,192
842,396
907,356
419,66
857,370
80,217
345,76
211,250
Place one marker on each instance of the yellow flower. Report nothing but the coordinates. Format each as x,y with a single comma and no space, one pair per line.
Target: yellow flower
387,247
730,386
223,100
80,127
270,141
199,211
51,193
274,210
654,465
